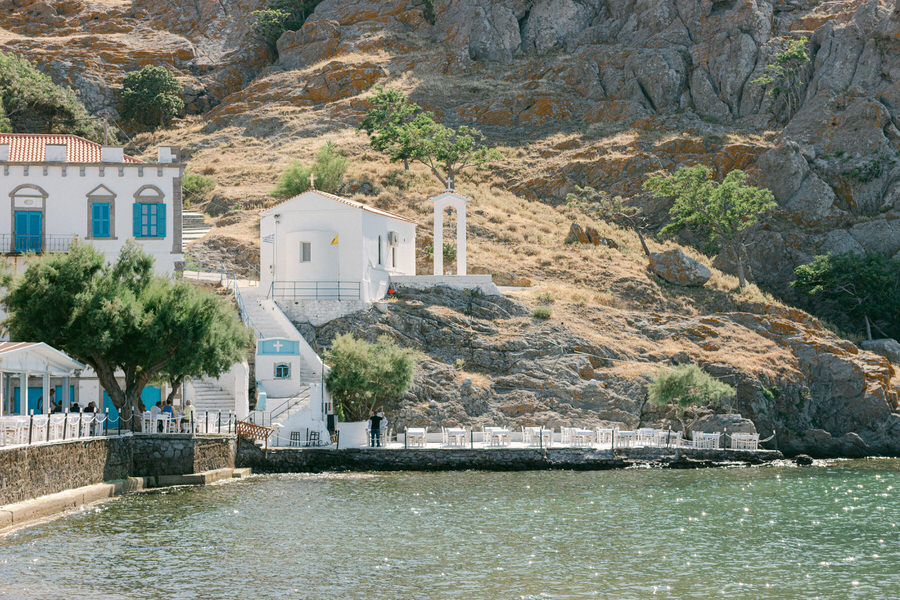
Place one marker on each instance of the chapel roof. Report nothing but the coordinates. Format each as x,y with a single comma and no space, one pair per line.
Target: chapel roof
346,201
30,147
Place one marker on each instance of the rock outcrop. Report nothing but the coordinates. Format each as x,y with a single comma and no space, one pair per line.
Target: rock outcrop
887,347
677,267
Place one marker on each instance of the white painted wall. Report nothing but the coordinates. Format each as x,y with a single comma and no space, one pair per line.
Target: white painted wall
66,206
237,383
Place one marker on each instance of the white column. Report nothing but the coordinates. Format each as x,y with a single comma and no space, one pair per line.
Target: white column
23,393
2,393
45,383
461,239
438,239
66,396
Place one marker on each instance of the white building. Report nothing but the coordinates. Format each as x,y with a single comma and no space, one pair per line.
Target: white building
63,188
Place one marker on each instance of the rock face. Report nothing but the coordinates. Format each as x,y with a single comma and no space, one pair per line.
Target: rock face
888,348
677,267
486,362
730,423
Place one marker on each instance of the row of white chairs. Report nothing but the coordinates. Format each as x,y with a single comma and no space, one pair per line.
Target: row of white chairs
15,430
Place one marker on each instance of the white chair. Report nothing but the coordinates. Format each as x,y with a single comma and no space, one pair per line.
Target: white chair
626,439
566,436
57,427
744,441
667,439
146,422
646,436
583,437
416,436
537,436
605,435
705,440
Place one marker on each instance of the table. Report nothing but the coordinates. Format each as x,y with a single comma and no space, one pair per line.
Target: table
583,437
415,436
455,436
496,436
625,439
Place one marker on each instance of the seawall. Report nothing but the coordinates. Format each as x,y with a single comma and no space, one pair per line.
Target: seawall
315,460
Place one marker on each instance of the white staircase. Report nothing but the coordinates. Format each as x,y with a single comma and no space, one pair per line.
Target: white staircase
193,227
209,397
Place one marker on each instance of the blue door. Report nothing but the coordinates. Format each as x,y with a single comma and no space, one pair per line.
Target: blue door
29,236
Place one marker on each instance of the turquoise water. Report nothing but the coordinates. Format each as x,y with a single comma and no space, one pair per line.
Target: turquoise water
820,532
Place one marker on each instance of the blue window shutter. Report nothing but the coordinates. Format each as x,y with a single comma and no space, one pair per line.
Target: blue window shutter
136,213
161,220
100,218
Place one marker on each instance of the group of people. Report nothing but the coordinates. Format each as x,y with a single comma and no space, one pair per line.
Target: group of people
377,424
188,415
57,407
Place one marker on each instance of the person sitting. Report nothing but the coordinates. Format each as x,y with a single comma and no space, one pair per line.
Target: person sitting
74,407
91,408
189,412
155,412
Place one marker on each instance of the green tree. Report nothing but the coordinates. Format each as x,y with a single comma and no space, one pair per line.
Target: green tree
123,321
723,212
329,167
600,205
686,387
151,97
32,103
5,125
196,188
280,16
403,131
786,76
364,376
853,291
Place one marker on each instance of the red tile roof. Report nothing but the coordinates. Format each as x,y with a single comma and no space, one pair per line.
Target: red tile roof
29,147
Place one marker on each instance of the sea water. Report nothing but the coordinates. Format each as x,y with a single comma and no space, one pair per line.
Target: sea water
829,531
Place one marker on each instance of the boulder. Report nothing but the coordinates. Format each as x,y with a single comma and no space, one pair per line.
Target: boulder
731,423
577,234
886,347
677,267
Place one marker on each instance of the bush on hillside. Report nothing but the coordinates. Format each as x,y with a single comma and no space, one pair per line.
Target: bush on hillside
542,312
32,103
281,16
685,387
196,188
329,167
365,377
855,292
151,97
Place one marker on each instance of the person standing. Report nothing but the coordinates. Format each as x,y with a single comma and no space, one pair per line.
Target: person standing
374,430
383,428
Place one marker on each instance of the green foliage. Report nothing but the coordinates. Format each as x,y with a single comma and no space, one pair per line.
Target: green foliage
32,103
121,317
723,212
196,188
366,376
686,386
546,298
428,12
786,75
870,170
281,16
5,125
329,167
151,97
542,312
403,131
849,289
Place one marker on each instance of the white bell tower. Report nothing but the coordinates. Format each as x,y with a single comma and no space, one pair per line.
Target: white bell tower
441,203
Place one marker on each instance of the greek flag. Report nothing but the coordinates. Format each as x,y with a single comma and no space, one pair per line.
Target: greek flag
269,239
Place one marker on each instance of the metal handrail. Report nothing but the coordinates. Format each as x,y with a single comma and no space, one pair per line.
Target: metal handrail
316,290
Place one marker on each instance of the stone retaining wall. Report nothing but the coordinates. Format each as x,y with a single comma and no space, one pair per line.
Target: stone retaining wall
31,471
316,460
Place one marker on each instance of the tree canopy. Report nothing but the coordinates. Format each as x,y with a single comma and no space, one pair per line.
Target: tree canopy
853,291
123,321
404,131
724,212
329,167
686,386
366,376
280,16
151,97
31,103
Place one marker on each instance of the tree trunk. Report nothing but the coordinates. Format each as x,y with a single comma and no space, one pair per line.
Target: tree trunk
643,243
174,384
742,281
868,328
406,164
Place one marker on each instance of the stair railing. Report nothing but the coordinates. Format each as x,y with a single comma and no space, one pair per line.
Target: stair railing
286,406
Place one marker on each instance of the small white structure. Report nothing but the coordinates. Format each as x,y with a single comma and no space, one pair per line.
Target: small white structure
449,199
318,246
63,188
20,362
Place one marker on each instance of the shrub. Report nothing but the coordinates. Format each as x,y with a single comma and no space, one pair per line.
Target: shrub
281,16
684,387
151,97
366,376
541,312
32,103
546,298
329,168
196,187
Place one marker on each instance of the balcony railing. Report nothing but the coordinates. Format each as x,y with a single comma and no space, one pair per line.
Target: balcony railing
39,244
316,290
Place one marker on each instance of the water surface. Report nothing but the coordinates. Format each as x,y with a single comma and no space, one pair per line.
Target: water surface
786,533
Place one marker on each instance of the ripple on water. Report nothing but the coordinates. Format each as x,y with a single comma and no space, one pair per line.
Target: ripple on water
749,533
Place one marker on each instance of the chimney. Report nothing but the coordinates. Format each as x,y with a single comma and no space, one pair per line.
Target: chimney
4,152
112,154
168,154
55,153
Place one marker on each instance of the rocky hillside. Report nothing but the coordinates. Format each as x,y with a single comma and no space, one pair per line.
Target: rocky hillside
574,92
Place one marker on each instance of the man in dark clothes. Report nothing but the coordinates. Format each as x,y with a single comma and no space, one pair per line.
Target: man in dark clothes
374,430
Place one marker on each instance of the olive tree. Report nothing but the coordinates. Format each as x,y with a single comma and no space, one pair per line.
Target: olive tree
686,387
151,96
129,325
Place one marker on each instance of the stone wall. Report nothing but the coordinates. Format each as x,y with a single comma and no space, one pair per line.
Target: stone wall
180,454
315,460
32,471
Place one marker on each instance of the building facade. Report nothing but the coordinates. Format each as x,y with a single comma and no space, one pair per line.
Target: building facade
63,188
